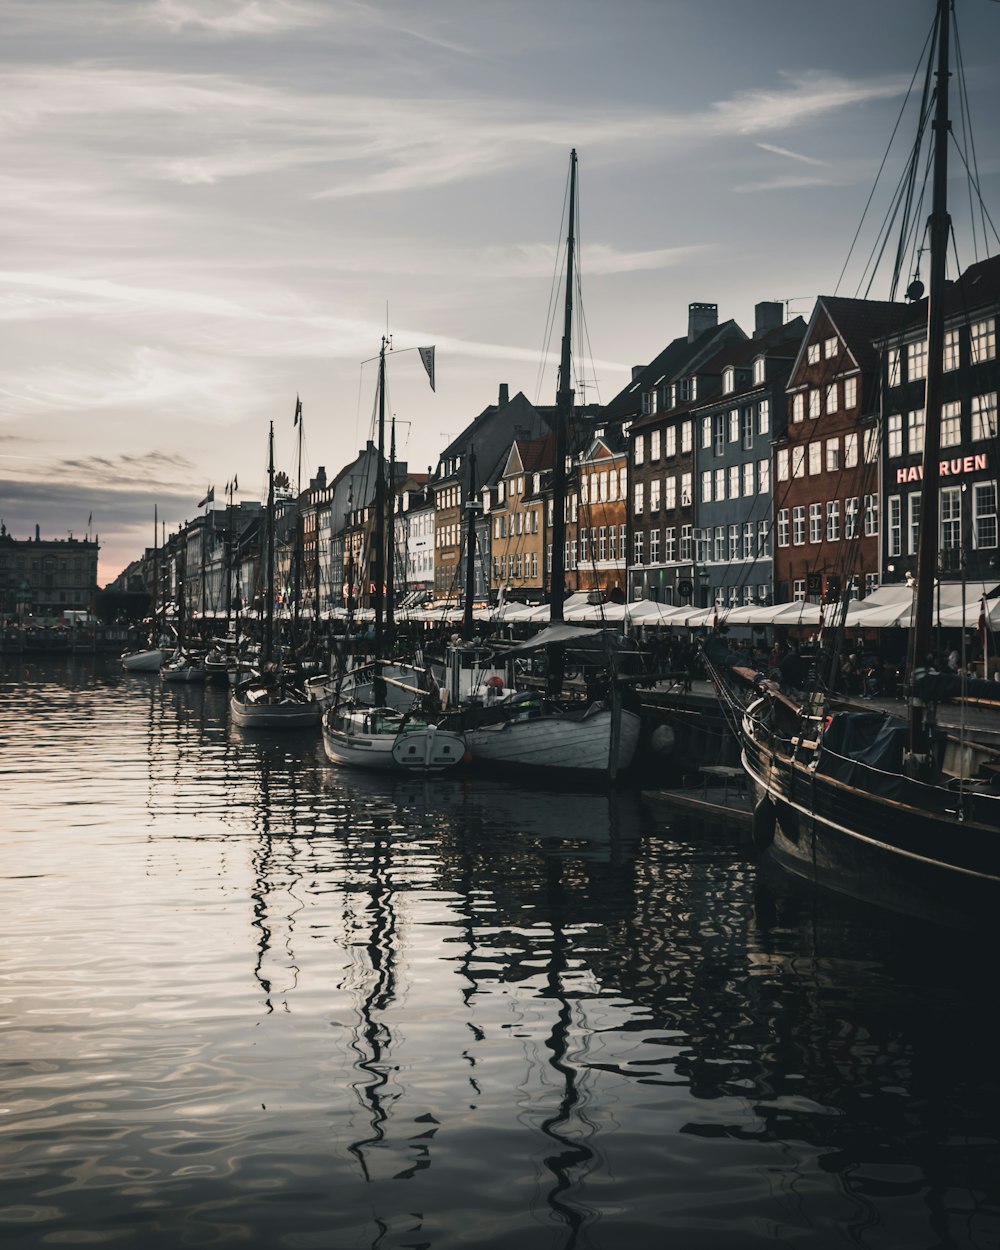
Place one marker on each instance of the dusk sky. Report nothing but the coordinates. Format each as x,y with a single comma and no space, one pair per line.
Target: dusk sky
210,206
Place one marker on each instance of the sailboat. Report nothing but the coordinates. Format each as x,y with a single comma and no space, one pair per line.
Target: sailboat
148,659
273,697
592,739
902,813
367,732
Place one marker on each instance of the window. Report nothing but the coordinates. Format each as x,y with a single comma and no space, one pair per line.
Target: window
799,590
833,520
637,554
782,462
951,424
670,493
814,404
783,528
798,407
984,416
984,514
701,545
915,430
687,434
720,484
916,360
830,347
798,525
759,371
763,476
832,455
851,518
584,544
719,434
612,544
640,443
734,481
798,462
685,490
706,487
654,444
669,544
895,433
613,485
892,366
871,583
602,543
982,341
746,421
764,417
654,495
534,565
913,523
951,517
950,350
815,457
748,477
895,547
812,353
728,380
734,542
734,425
670,441
815,522
850,451
763,547
685,542
850,393
831,397
706,432
720,542
654,546
637,506
748,540
646,403
871,515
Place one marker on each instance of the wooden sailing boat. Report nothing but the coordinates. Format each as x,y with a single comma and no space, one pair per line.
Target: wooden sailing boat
591,739
359,728
896,812
273,697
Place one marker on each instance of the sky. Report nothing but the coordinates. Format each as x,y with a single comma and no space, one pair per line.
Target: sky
211,207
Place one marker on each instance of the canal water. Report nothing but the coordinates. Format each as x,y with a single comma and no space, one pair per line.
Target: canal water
250,999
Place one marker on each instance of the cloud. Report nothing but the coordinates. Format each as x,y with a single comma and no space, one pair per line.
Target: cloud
786,182
803,97
795,156
236,17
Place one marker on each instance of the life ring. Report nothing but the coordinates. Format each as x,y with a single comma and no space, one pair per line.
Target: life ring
765,820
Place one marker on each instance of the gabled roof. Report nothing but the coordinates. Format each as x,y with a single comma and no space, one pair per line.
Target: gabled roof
491,433
677,359
858,322
977,288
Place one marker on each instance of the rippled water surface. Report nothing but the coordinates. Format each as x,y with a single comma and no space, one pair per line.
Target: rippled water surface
251,999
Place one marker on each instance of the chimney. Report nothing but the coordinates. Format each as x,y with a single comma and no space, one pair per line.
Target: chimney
636,370
701,317
504,399
768,315
38,533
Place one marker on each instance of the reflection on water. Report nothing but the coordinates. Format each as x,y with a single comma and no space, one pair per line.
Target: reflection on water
250,999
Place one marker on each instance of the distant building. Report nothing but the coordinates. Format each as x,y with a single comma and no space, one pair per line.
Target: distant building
45,577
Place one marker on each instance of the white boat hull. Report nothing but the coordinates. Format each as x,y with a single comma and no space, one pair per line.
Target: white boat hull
188,674
287,715
366,739
581,746
148,661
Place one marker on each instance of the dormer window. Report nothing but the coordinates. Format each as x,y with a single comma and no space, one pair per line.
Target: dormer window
536,482
500,487
759,371
728,380
646,403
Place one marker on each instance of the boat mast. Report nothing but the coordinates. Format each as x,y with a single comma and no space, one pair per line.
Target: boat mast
154,625
470,549
299,535
390,541
269,552
378,562
564,412
939,229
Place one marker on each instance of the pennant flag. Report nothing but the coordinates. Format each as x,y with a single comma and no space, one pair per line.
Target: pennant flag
209,497
236,484
298,411
427,356
89,519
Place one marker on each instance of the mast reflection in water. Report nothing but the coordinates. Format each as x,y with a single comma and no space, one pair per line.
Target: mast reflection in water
253,1000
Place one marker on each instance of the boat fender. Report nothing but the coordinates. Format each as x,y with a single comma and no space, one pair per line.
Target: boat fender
765,820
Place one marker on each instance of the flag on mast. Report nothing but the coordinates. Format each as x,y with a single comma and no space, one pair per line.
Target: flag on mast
209,497
298,411
427,356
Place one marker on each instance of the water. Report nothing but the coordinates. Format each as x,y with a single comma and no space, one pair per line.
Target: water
252,1000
